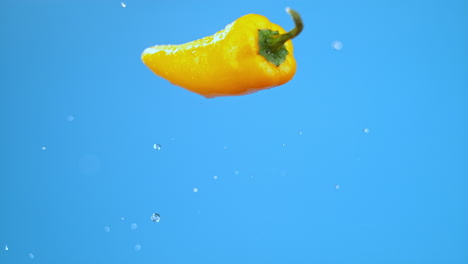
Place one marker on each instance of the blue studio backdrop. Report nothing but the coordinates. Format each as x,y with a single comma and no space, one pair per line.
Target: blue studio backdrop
361,158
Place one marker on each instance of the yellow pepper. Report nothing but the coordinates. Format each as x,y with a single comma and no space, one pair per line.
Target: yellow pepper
249,55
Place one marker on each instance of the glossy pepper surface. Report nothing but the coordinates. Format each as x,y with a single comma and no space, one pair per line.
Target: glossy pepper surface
249,55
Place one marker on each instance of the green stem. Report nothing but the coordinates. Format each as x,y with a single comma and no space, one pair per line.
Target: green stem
277,41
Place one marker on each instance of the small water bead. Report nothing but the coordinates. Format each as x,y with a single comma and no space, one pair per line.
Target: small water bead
157,147
43,148
137,247
215,177
195,189
133,226
283,145
337,186
31,256
70,118
337,45
155,217
365,130
123,4
107,229
6,247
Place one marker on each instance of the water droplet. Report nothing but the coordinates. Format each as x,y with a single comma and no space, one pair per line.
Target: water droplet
122,218
215,177
123,4
365,130
225,147
337,186
195,189
337,45
157,147
236,172
137,247
284,145
155,217
107,229
31,256
43,148
300,132
133,226
70,118
6,247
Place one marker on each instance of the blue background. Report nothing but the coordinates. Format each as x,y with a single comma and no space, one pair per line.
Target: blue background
299,181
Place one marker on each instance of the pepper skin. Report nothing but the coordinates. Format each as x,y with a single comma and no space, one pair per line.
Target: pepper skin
227,63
